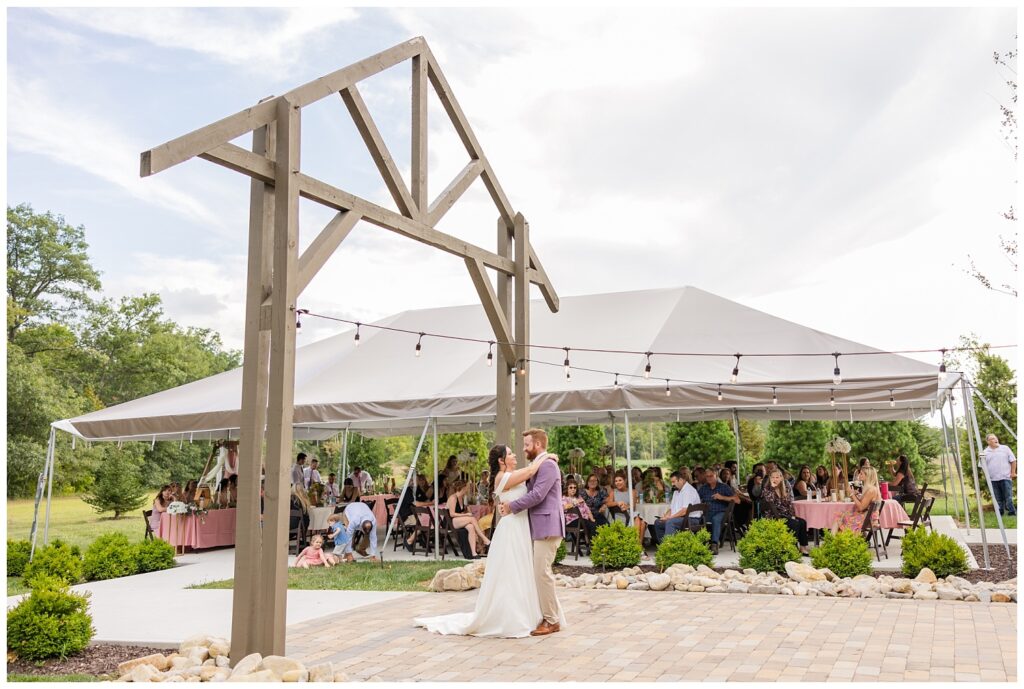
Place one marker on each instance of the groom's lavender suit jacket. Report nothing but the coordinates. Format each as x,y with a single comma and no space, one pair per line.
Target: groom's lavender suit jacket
544,500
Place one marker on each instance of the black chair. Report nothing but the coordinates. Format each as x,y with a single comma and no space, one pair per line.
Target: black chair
728,528
872,532
705,517
446,529
576,531
148,536
297,532
423,529
614,510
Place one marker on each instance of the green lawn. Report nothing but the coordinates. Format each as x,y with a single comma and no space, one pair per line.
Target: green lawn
360,576
53,678
72,520
16,586
1009,522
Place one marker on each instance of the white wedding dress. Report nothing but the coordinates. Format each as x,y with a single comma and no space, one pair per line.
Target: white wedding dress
507,605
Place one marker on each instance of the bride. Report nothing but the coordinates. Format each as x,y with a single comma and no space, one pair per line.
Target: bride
508,605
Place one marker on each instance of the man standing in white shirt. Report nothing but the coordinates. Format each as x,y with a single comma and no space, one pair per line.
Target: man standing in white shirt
677,517
1002,470
311,474
362,481
298,470
331,490
360,518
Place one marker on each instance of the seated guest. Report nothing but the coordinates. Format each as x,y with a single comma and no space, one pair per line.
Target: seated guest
776,504
821,480
175,491
726,477
903,481
350,492
483,488
313,555
734,471
677,517
718,496
698,476
160,503
804,484
189,494
572,498
595,497
621,499
299,502
462,518
414,497
754,486
854,521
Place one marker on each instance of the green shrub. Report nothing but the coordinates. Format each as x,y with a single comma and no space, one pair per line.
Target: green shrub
17,557
58,560
845,553
560,553
51,622
152,556
108,557
616,546
767,546
684,547
938,552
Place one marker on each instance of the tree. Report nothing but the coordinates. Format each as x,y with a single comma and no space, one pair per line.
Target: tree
118,486
700,443
48,269
791,445
753,436
882,441
590,439
477,445
930,445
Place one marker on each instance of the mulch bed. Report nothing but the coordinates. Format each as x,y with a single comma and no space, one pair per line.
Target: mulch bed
101,659
1003,567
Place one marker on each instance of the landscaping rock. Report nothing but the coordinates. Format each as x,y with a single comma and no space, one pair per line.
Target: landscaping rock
1000,597
695,588
708,582
247,664
680,567
971,597
208,672
715,589
731,574
823,587
195,641
659,582
175,678
144,673
295,676
261,676
748,570
926,595
897,594
157,661
621,582
324,672
639,586
280,665
769,589
210,662
220,648
198,654
949,593
902,586
737,587
223,661
798,571
706,571
926,576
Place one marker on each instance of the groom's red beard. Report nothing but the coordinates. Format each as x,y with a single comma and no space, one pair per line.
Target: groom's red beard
531,454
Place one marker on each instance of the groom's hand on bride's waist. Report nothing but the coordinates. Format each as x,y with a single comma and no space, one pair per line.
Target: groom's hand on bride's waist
505,509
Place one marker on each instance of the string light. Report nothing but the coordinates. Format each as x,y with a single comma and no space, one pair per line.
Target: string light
832,397
647,369
298,317
837,377
566,364
490,354
419,344
522,367
942,367
616,380
719,392
356,338
775,397
668,391
735,370
892,399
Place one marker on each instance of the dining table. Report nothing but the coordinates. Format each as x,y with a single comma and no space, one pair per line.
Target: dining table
821,515
213,529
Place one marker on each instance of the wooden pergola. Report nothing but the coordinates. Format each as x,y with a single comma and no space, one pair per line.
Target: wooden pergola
277,275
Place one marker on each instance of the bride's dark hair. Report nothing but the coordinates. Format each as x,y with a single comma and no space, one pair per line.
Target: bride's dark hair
498,453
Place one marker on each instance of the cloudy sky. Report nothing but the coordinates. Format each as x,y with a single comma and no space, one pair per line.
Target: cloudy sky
833,167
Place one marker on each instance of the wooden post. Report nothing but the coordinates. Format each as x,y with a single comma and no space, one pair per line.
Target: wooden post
503,419
271,623
419,133
522,307
248,535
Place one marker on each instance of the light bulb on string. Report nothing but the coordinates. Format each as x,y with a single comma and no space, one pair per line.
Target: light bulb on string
490,353
616,383
668,391
837,377
566,364
736,370
775,398
719,392
419,344
832,397
522,367
647,369
298,317
942,366
892,400
356,338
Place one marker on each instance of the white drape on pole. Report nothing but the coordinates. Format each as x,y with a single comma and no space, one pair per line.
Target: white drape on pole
629,473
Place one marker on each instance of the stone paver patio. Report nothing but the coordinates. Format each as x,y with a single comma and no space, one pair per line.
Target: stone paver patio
674,636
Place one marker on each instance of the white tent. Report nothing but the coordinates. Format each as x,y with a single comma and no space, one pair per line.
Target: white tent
380,388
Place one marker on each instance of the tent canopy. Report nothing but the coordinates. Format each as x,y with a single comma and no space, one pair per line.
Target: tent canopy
381,388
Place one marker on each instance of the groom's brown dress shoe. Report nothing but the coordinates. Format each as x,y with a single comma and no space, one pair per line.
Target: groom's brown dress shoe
545,628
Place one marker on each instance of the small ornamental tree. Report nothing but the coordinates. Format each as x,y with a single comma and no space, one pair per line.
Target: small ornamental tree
700,442
792,445
118,486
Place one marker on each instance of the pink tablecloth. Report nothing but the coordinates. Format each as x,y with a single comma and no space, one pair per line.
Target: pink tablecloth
380,510
216,528
821,515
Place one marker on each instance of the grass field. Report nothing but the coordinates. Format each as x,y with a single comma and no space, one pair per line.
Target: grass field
1009,522
359,576
16,586
53,678
72,520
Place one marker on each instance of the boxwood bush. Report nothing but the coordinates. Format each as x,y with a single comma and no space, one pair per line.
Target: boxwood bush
17,557
58,560
767,546
615,545
846,554
152,556
938,552
108,557
51,622
684,547
560,553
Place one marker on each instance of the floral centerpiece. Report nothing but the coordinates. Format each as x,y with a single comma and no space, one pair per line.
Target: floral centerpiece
839,446
316,494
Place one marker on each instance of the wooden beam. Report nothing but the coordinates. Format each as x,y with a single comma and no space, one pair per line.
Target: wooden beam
495,314
453,192
222,131
540,278
504,363
280,414
248,535
521,230
419,132
323,247
379,152
240,160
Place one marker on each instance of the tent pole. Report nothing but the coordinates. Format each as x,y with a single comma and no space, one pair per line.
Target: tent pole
739,444
343,460
974,469
405,487
40,485
946,457
614,446
959,463
988,479
993,411
629,475
437,514
49,487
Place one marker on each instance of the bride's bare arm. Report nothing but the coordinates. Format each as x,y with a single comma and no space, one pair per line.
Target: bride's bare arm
520,475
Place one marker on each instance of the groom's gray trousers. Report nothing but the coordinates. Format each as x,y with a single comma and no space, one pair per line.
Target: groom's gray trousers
544,551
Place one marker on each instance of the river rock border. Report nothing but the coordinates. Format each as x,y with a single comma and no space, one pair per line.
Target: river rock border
802,580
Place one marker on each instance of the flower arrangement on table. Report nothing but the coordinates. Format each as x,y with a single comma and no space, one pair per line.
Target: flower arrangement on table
185,508
316,494
839,446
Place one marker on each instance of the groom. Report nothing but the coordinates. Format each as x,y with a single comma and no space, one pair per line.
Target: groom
547,525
